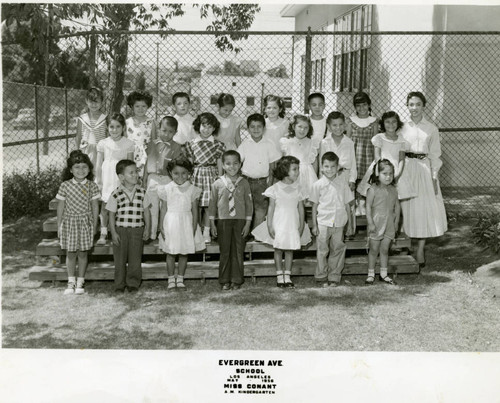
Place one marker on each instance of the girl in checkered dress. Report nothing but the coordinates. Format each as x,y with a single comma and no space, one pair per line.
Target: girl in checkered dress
77,215
361,127
205,153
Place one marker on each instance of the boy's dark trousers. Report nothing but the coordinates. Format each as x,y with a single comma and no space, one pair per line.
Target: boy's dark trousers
232,248
129,251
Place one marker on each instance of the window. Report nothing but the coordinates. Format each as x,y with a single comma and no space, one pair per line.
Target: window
350,61
250,101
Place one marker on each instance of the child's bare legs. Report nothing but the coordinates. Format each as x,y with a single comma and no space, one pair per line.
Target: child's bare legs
288,268
155,212
82,268
420,251
104,218
278,262
205,223
172,281
183,259
372,259
71,263
171,271
76,285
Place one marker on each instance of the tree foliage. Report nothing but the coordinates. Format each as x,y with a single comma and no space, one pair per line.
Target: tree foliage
41,22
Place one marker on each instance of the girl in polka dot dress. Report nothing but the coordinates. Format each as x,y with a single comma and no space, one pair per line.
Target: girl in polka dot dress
77,215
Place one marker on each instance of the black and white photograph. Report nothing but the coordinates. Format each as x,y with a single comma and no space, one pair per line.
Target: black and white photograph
287,202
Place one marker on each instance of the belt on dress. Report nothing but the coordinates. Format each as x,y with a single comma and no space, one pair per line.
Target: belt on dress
417,156
255,179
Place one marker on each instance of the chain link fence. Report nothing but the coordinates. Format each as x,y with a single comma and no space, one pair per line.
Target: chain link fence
458,73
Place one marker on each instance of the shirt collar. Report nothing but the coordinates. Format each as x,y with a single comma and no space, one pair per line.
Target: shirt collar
83,182
424,121
126,190
198,138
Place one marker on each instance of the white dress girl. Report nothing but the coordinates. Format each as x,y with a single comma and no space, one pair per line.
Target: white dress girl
178,221
285,219
113,151
306,150
389,149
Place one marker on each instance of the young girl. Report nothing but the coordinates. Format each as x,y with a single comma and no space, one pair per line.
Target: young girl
91,126
391,145
382,215
284,227
300,144
109,151
276,124
361,127
230,125
140,129
180,233
163,150
205,154
77,215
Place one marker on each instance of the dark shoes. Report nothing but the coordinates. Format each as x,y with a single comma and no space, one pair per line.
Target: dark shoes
132,289
226,287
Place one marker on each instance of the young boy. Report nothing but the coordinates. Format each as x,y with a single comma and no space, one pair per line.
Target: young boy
231,205
343,146
129,222
259,155
330,196
316,103
182,105
163,150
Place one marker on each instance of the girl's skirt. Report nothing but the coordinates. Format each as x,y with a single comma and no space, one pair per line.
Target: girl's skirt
77,232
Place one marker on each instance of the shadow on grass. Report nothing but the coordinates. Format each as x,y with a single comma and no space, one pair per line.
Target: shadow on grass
32,335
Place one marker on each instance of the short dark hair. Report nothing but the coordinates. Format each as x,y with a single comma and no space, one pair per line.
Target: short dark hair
180,162
231,153
122,164
379,165
178,95
77,157
334,115
137,96
388,115
170,121
256,117
315,95
225,99
206,118
330,156
417,94
283,166
279,102
296,119
94,94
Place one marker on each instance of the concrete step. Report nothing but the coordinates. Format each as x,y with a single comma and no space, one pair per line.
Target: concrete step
201,270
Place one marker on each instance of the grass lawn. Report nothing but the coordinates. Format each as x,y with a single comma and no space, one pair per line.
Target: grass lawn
445,308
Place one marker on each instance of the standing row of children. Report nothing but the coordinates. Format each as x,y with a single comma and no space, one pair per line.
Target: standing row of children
200,177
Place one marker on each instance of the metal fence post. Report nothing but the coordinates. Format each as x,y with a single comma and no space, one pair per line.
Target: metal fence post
36,131
66,119
307,70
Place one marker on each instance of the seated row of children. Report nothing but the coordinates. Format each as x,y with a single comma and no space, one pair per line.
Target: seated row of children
136,138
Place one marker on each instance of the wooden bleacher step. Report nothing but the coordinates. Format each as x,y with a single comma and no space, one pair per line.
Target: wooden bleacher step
203,270
51,247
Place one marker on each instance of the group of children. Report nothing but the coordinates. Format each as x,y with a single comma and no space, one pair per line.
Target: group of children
197,177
